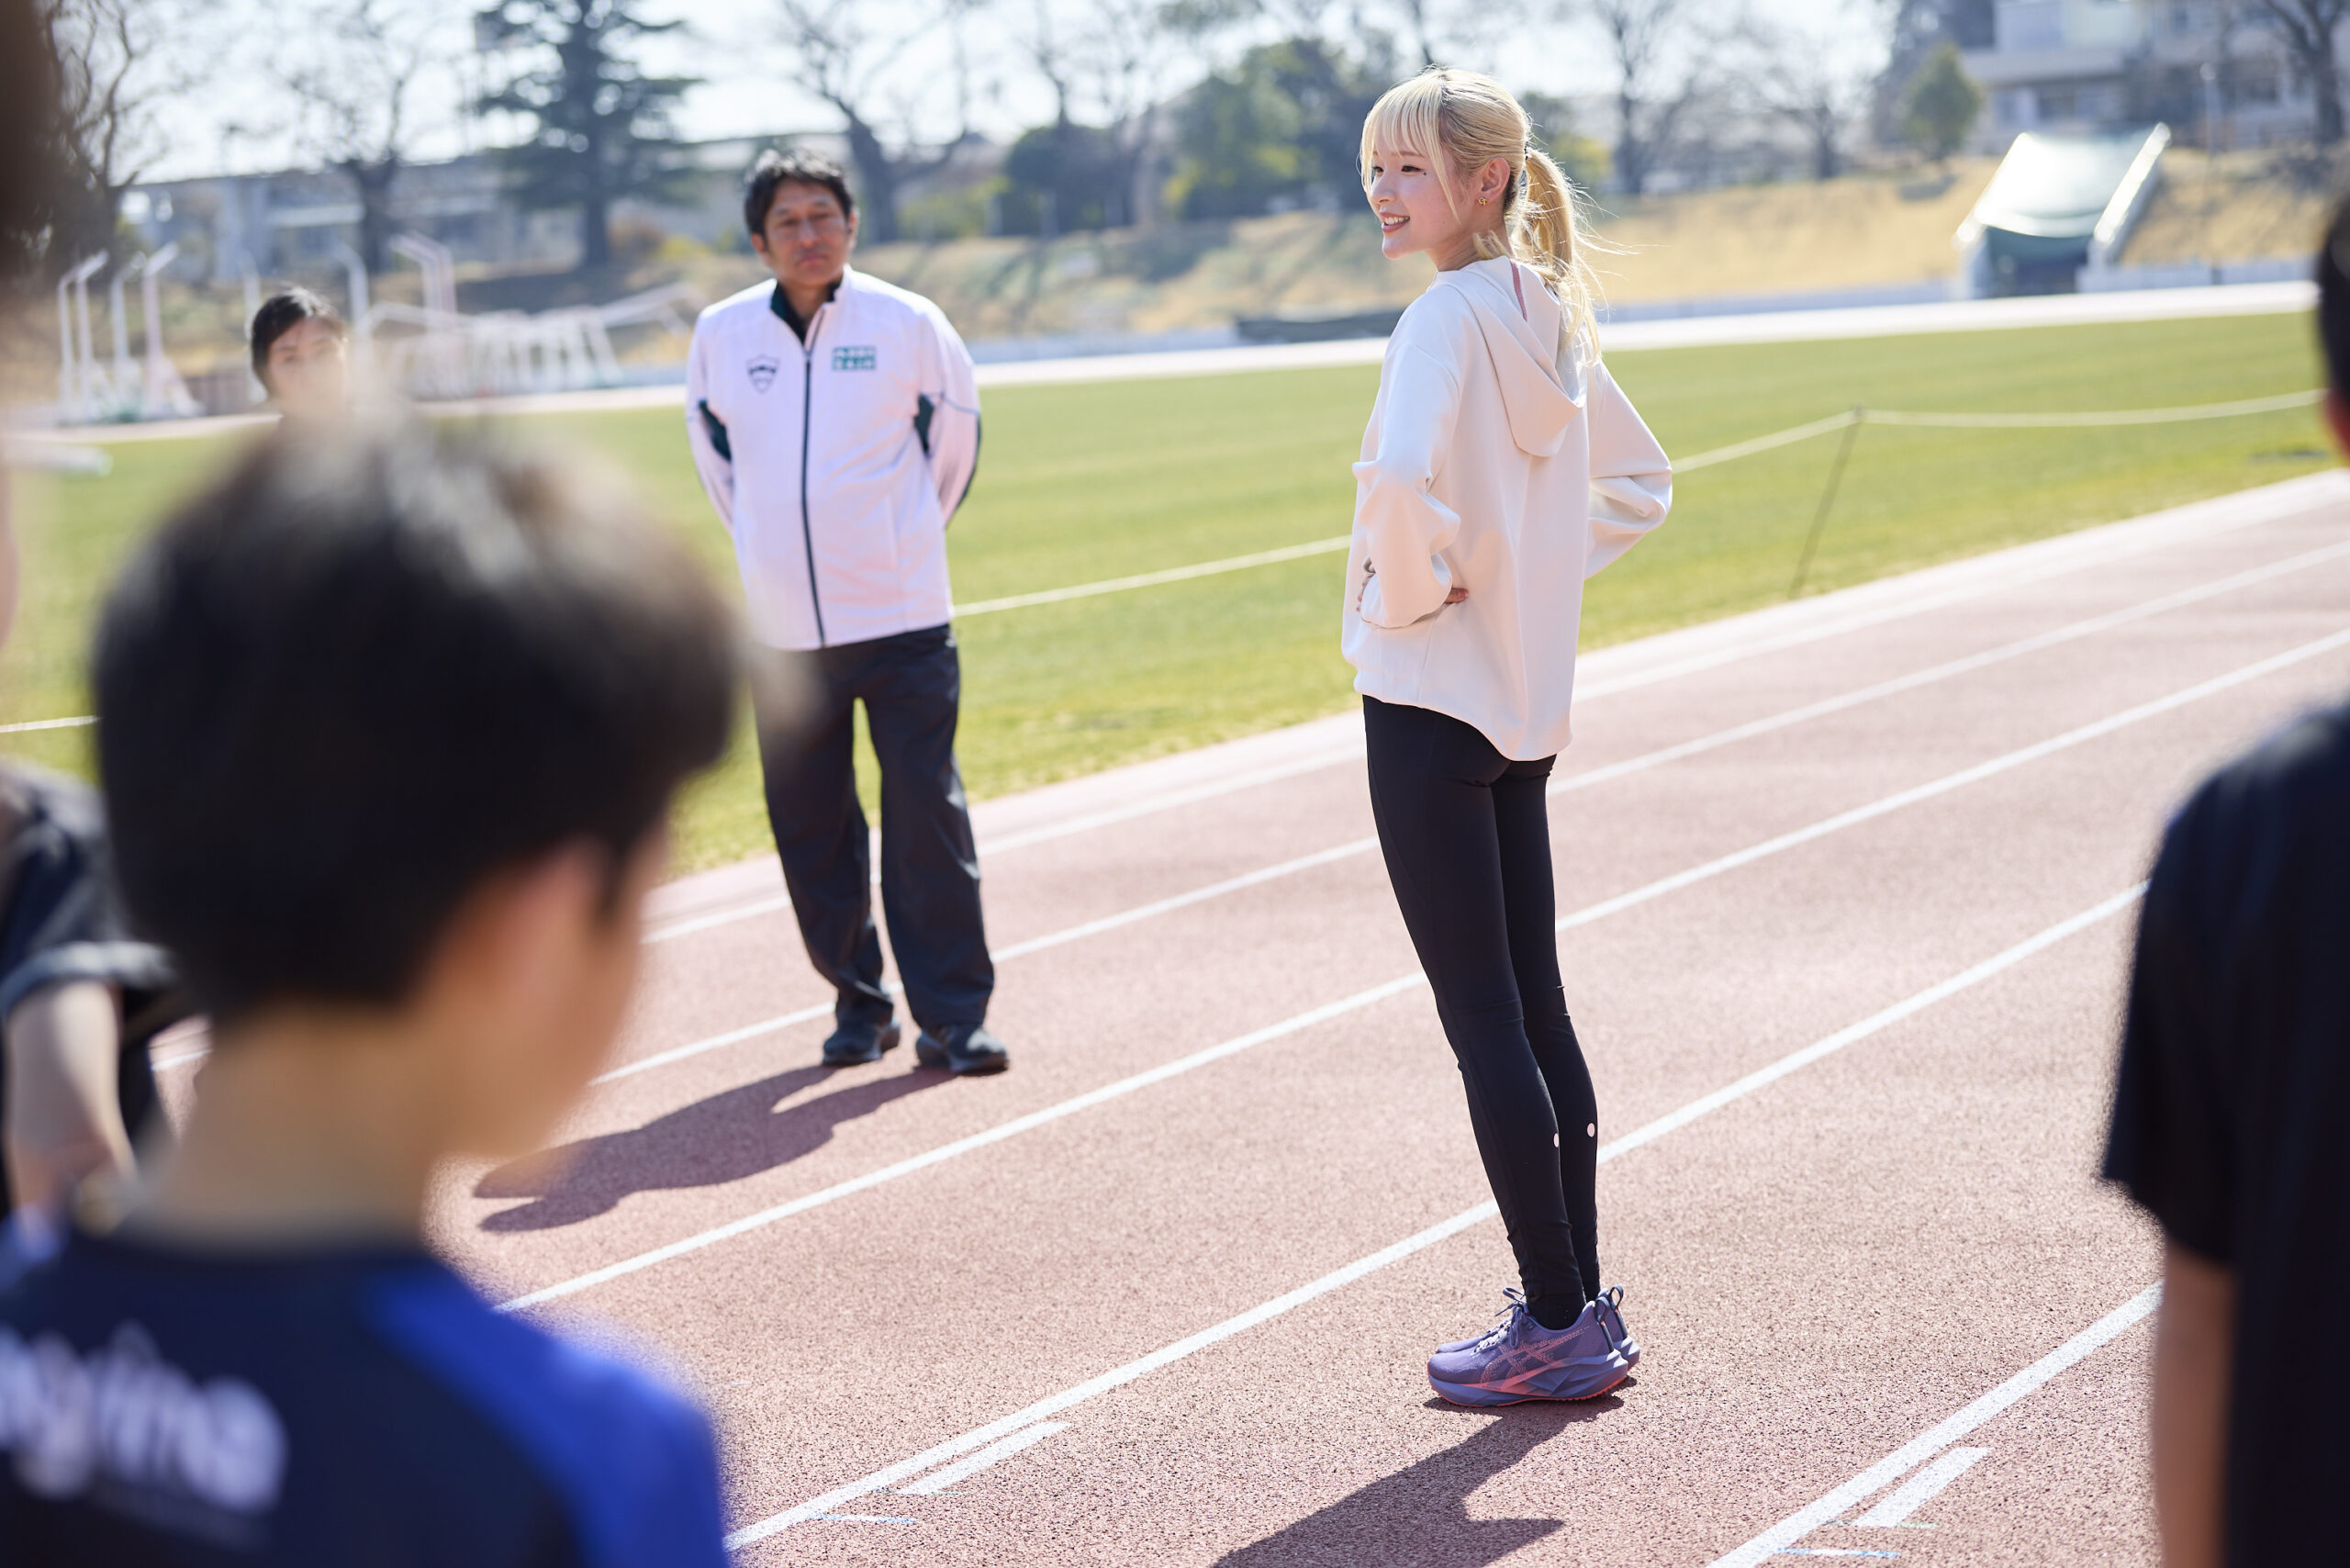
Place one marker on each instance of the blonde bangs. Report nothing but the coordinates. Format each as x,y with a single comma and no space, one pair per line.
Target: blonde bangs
1407,119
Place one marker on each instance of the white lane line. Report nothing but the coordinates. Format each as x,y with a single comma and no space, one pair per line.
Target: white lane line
997,1134
1046,833
964,1468
1895,686
1377,993
1910,1455
73,724
1118,1377
716,1042
1920,1489
2292,499
2253,509
1794,1061
1958,781
1966,665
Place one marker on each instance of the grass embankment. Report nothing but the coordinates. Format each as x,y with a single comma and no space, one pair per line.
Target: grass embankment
2237,206
1081,483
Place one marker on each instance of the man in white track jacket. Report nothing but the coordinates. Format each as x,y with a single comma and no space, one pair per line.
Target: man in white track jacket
835,424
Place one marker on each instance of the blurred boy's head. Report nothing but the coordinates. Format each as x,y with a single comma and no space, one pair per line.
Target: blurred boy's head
390,727
2334,320
300,348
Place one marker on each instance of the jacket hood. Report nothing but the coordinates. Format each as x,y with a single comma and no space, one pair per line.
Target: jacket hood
1540,372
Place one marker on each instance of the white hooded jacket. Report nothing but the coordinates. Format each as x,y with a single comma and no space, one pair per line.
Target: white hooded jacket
1501,457
835,463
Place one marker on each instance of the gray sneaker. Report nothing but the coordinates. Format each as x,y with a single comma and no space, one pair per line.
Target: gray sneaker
1520,1360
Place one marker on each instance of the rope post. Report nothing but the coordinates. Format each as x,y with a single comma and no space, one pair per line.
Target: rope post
1827,499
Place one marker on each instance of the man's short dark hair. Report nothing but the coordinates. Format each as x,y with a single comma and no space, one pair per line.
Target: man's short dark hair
795,166
280,314
363,672
2334,298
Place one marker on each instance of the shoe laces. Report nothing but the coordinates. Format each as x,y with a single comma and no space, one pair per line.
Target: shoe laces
1506,1316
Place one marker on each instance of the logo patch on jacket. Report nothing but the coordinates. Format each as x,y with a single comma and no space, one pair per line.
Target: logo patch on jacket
763,371
855,356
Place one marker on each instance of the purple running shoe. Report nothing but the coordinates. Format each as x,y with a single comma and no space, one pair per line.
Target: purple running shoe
1611,1318
1519,1360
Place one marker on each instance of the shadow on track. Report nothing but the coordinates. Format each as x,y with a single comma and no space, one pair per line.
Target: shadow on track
724,1139
1420,1515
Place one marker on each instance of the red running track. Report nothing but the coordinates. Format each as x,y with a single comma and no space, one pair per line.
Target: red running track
1847,891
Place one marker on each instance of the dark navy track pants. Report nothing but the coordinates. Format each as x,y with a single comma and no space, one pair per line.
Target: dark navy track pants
911,687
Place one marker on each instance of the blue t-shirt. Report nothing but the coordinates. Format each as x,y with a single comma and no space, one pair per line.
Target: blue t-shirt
354,1406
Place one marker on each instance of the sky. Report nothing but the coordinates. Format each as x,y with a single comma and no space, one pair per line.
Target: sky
239,119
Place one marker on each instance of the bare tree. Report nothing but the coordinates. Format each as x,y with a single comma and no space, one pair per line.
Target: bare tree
2308,27
842,57
1112,70
1655,48
1453,32
113,69
353,72
1129,52
1798,79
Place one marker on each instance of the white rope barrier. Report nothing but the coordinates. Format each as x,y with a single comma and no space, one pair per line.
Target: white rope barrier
1152,579
1788,437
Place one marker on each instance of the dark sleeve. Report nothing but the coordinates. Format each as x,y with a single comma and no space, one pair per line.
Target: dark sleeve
65,924
2172,1142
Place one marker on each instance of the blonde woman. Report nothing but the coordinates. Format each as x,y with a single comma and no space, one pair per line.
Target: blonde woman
1501,468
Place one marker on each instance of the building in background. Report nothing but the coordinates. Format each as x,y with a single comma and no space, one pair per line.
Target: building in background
305,220
2210,69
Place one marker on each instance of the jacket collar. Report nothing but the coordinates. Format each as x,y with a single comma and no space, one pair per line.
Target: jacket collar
781,306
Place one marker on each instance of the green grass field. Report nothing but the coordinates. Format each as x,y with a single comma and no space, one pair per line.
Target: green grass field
1081,483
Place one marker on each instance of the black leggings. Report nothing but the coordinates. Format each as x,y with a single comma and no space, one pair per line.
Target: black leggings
1467,837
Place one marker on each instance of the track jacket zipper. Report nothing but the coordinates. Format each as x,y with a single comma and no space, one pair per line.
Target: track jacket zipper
806,415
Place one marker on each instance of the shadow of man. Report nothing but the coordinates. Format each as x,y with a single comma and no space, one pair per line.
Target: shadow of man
742,1132
1420,1515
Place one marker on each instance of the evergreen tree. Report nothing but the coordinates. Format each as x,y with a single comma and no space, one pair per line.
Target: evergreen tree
1941,103
602,128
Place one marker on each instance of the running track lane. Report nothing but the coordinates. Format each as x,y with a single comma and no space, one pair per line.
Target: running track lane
1340,1449
1341,1007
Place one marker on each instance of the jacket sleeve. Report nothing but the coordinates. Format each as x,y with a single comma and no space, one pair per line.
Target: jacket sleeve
1631,479
1405,528
706,433
946,413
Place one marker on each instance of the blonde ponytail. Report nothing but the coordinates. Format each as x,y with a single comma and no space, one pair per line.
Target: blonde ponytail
1474,119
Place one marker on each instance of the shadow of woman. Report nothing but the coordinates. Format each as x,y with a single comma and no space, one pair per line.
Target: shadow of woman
740,1133
1420,1514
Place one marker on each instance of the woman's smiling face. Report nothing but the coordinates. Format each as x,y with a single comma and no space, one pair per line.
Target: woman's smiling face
1406,191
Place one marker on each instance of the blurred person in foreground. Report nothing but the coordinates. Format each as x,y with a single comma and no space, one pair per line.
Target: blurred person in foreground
390,723
79,1000
301,352
835,423
2232,1122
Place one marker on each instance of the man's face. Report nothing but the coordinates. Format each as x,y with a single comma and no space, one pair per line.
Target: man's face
807,238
